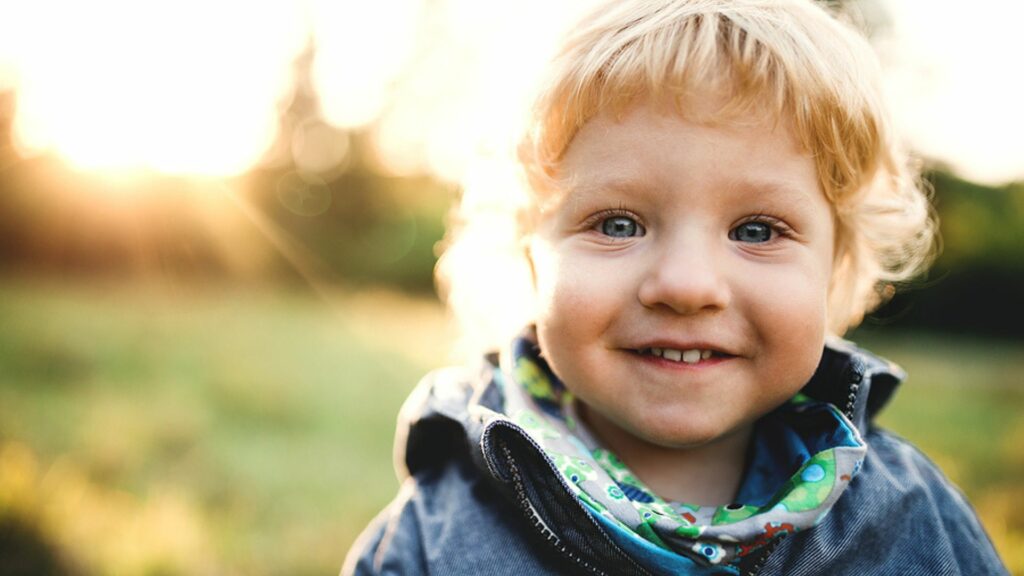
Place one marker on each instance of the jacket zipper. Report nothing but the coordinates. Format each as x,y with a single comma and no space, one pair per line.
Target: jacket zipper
763,558
853,387
538,522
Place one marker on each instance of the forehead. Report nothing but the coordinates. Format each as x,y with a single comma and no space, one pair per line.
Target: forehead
655,148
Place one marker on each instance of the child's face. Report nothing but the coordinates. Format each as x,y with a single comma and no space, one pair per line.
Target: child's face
683,237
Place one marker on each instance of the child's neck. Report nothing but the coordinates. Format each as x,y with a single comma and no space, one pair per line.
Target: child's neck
707,475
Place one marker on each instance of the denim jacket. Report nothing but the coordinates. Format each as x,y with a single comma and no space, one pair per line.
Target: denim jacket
479,497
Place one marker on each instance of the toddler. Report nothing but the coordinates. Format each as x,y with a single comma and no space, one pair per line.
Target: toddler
715,195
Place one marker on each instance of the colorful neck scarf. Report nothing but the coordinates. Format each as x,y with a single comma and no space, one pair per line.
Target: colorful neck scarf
803,456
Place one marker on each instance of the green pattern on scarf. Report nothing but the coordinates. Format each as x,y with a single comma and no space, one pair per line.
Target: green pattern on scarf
602,482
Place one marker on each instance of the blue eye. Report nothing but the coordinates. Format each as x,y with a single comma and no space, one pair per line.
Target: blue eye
753,232
621,227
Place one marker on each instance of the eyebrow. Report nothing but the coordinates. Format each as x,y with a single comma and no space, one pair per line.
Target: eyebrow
621,184
774,189
771,187
575,191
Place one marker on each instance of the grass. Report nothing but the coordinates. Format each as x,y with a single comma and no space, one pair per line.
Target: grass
963,405
263,421
154,429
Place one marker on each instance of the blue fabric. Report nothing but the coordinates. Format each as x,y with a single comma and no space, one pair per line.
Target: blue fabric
779,448
804,430
459,513
658,560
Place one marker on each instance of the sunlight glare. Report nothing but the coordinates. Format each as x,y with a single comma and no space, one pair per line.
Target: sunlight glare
188,88
953,73
197,87
361,49
468,88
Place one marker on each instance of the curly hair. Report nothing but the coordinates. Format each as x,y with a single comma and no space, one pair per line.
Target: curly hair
790,59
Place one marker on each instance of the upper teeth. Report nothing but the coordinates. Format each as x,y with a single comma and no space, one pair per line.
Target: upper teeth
688,356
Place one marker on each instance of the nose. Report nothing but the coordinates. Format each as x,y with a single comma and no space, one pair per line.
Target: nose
686,276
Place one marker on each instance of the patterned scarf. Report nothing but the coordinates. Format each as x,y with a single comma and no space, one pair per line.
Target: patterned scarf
827,449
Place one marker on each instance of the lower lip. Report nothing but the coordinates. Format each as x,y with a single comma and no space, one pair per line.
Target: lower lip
660,362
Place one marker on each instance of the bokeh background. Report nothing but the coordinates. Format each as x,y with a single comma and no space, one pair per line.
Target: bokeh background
218,224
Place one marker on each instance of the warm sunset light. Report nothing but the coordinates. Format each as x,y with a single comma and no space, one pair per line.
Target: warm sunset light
954,74
198,88
464,96
946,69
239,237
122,84
361,48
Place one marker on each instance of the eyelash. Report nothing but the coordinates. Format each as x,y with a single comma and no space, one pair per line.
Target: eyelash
776,224
778,227
595,220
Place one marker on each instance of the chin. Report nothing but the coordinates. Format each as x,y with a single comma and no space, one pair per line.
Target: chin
677,438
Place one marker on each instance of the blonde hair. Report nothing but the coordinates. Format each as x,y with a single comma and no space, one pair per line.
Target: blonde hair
787,58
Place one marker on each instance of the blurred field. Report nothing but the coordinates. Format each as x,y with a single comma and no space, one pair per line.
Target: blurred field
153,429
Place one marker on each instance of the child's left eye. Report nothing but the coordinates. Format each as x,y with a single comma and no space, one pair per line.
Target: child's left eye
752,232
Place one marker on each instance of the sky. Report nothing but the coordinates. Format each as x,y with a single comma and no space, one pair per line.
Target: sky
955,78
196,87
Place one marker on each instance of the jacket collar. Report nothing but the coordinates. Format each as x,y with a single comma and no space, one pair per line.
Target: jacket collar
854,380
449,409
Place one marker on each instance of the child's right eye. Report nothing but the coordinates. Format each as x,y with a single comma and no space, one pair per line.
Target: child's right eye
621,227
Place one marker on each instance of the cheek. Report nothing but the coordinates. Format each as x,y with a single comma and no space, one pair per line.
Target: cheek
576,287
790,318
801,306
563,293
801,336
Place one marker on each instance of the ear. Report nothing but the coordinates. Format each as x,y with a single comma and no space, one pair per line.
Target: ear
527,218
526,245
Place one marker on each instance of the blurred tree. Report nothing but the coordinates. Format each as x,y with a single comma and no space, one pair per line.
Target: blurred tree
360,225
976,284
317,189
320,204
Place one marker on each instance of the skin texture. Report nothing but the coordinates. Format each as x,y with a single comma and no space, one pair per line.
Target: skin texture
674,234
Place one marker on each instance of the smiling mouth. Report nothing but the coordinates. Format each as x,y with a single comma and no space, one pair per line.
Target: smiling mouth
692,356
